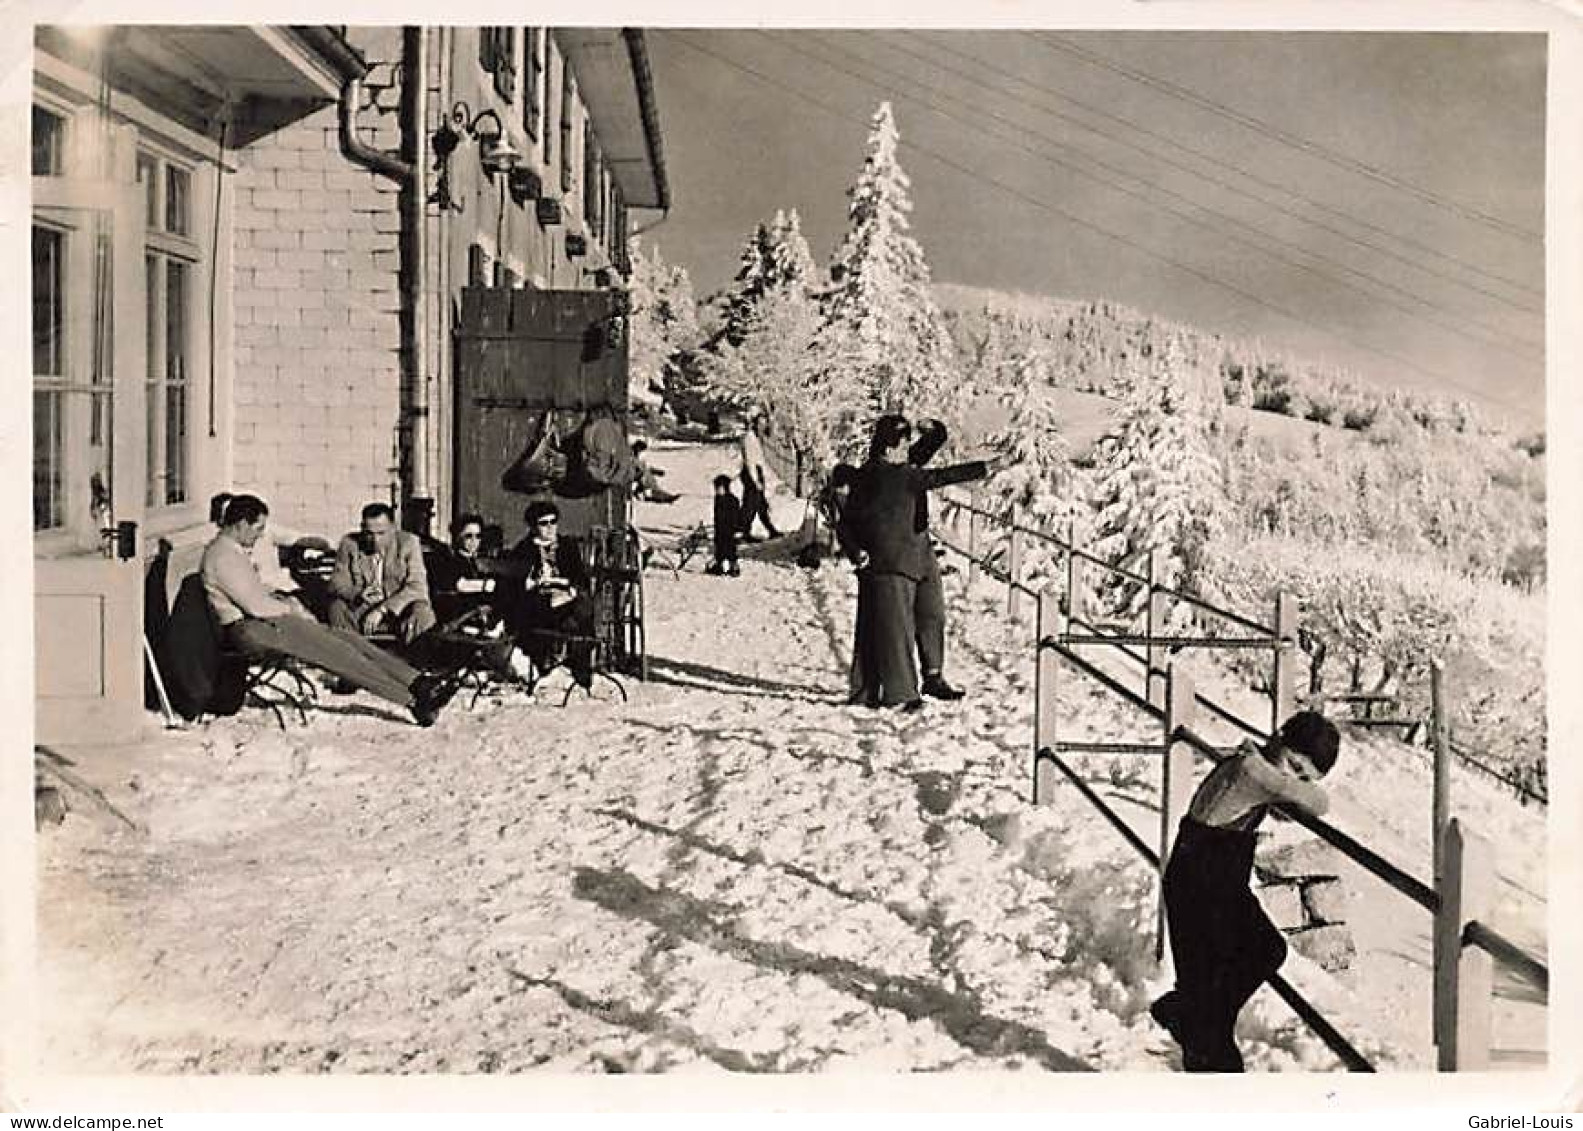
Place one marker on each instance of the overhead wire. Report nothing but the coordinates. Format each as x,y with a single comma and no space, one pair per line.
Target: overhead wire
1511,340
1463,266
1294,141
1381,352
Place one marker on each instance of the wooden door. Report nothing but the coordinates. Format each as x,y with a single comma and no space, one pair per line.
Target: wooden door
521,353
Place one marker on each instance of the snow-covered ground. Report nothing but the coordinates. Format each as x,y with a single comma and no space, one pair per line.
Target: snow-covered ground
734,870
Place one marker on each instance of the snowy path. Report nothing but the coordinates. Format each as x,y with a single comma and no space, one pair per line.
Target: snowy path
733,871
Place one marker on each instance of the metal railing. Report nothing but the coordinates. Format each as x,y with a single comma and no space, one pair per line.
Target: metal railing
1461,898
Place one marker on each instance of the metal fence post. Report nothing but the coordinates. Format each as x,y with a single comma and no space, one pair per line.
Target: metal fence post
1176,783
1463,974
1283,692
1441,811
1013,563
1076,599
972,548
1154,625
1046,670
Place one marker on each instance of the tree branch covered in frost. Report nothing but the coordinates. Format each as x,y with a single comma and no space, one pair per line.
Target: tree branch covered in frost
663,322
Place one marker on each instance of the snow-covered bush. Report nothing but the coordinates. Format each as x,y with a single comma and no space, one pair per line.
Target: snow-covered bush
1394,614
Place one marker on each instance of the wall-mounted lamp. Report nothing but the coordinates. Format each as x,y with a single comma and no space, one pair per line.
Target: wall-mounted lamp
495,151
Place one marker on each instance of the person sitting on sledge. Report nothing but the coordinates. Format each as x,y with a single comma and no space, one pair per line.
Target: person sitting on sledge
555,598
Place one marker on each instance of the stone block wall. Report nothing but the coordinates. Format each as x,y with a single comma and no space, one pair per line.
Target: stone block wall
317,319
1302,892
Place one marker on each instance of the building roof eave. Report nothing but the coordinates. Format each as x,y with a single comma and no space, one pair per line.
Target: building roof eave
617,86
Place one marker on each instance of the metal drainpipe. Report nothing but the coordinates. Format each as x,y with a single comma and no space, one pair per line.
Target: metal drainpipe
415,421
440,424
410,176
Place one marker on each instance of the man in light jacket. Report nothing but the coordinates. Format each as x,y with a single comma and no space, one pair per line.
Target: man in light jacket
379,583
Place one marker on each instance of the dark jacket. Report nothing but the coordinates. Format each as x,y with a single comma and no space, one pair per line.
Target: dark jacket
887,506
446,568
728,520
196,677
568,561
931,438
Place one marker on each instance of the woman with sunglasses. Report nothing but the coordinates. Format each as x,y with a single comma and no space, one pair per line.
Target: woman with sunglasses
554,601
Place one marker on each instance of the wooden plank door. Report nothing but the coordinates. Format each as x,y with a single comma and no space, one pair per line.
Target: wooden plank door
520,354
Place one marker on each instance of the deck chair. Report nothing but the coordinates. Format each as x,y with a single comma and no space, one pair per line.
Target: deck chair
203,676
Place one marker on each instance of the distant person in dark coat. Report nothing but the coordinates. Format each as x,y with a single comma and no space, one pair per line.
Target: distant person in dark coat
728,528
882,517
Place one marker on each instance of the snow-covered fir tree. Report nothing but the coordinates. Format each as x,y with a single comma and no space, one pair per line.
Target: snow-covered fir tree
1159,486
790,262
663,322
774,255
879,312
776,371
1038,481
768,363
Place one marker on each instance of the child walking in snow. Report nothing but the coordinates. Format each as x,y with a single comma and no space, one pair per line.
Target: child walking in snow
1222,944
728,527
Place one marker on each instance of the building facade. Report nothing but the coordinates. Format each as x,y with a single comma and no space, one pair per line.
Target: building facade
249,249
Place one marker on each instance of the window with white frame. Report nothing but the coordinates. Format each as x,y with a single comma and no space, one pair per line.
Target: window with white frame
51,382
170,270
49,142
72,337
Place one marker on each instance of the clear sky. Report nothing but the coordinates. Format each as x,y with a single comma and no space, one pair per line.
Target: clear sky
1370,199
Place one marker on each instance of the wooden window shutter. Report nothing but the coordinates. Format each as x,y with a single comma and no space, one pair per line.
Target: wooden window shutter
590,177
618,216
566,125
531,87
506,62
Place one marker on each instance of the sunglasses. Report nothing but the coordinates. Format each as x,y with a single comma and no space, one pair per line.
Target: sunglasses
545,522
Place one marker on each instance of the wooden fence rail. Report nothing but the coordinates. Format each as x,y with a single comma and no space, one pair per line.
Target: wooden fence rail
1462,895
1460,900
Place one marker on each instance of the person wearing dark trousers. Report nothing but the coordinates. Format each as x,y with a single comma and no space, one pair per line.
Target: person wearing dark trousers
727,529
929,610
1223,945
833,500
894,553
755,484
252,620
555,597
